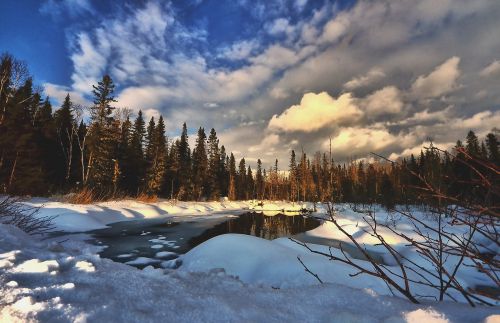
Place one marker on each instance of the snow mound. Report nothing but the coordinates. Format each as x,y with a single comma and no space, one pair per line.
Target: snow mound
73,285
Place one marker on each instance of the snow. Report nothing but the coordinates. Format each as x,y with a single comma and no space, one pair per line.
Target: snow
227,278
116,292
86,217
165,254
274,263
142,261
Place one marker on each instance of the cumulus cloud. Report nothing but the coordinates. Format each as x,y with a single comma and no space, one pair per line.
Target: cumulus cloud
440,81
352,141
335,29
373,75
59,92
269,143
384,102
491,69
316,111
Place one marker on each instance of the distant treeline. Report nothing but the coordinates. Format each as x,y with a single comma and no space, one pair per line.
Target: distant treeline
45,152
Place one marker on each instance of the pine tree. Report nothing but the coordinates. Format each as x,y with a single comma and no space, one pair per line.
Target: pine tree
241,180
149,154
65,128
212,187
21,171
472,144
259,180
157,168
200,165
104,136
293,177
124,154
223,174
184,174
492,146
172,184
135,175
250,185
45,133
387,192
232,193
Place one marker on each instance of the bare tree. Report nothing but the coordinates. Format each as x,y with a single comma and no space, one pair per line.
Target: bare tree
25,217
460,233
82,143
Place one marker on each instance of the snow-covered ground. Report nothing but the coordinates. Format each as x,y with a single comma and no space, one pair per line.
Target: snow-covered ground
80,218
261,280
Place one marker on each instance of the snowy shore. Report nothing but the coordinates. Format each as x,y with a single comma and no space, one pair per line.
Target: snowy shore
228,278
86,217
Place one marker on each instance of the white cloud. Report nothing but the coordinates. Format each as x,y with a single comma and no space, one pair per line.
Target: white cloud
89,62
279,26
73,8
426,116
300,4
440,81
269,143
384,102
317,111
239,50
59,92
352,141
335,29
492,69
373,75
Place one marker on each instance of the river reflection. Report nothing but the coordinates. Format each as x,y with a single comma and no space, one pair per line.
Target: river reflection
260,225
162,240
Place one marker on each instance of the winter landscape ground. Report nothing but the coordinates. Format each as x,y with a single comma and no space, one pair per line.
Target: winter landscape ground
228,278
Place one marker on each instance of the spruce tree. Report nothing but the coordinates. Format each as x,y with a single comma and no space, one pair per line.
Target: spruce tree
125,154
472,144
293,177
157,168
104,136
65,128
241,180
250,185
259,181
135,175
223,174
232,193
212,187
184,173
200,165
492,147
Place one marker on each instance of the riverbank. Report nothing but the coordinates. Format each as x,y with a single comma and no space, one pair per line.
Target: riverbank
86,217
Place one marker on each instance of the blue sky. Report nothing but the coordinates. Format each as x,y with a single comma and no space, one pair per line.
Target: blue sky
272,76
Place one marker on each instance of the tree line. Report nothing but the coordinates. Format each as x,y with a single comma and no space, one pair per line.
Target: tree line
44,152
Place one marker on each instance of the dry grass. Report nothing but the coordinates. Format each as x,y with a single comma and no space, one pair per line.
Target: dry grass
83,196
89,196
147,198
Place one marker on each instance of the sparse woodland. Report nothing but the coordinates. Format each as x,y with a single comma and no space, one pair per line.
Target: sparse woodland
103,151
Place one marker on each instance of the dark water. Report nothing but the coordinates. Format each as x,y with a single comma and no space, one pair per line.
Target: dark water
129,240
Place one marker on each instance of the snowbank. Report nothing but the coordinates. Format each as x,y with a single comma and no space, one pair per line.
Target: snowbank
80,218
86,217
66,282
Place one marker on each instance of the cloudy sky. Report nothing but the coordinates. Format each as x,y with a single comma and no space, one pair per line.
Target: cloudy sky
271,76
